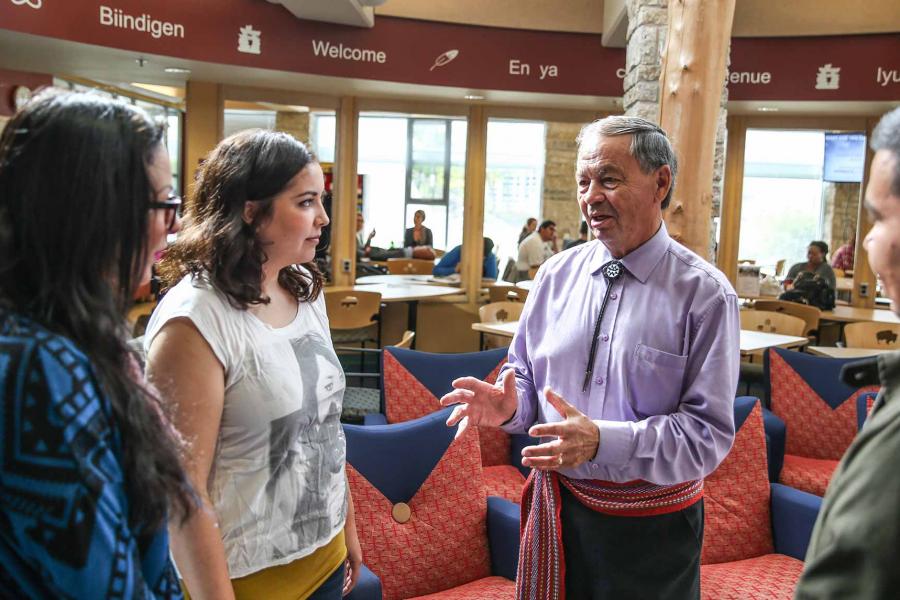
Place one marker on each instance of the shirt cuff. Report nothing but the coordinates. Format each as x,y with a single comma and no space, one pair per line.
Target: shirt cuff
617,439
516,424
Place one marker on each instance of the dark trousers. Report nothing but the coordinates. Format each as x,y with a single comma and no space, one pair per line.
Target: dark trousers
619,558
331,588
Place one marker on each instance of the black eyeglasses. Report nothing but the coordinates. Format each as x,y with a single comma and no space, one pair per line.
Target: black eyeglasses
172,206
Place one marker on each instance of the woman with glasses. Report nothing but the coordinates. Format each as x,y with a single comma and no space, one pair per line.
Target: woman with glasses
90,469
241,345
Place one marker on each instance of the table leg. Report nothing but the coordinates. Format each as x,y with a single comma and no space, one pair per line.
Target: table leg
411,316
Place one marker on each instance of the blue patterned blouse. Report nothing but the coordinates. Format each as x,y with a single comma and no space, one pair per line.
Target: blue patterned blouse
64,530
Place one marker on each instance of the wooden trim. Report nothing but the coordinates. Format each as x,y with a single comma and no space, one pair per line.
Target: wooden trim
472,255
343,205
112,89
862,271
204,124
835,123
544,114
286,97
732,193
413,107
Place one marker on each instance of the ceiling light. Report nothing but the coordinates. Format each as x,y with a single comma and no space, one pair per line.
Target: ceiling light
473,97
177,70
767,109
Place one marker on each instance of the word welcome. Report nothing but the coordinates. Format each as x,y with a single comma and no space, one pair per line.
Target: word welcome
116,17
342,52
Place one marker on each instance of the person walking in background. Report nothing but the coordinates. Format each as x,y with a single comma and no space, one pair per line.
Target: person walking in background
527,229
536,248
91,471
240,345
418,234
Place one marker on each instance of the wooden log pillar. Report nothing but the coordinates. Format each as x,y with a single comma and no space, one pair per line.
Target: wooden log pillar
473,204
343,204
693,72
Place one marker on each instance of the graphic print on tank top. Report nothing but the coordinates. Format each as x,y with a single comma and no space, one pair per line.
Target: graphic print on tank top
305,472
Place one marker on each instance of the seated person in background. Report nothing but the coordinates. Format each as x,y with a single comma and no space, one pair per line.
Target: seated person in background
364,247
582,237
449,263
528,229
843,256
418,235
363,243
536,248
815,264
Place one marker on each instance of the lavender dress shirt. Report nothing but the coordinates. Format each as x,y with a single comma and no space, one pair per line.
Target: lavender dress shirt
666,367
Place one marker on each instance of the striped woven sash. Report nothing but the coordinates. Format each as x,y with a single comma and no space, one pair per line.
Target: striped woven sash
541,572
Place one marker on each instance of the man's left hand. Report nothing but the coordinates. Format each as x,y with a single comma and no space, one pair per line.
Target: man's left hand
577,438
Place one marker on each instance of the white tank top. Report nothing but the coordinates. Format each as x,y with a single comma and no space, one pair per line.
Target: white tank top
277,481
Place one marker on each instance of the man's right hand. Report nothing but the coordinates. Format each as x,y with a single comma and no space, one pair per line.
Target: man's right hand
480,403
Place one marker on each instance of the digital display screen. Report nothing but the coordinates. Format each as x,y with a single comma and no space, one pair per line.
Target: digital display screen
845,157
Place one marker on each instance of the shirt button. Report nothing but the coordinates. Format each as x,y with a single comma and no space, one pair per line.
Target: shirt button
595,467
599,381
604,337
614,295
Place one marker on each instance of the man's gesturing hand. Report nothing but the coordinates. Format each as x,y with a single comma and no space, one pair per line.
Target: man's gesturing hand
577,438
480,403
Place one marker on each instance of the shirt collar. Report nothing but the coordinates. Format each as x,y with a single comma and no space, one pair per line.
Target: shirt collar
641,261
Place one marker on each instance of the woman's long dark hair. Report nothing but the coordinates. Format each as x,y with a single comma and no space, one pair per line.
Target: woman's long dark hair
215,242
74,204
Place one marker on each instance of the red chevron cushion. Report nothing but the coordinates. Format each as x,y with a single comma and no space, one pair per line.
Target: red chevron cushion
736,499
808,474
489,588
814,429
505,481
444,543
406,398
769,577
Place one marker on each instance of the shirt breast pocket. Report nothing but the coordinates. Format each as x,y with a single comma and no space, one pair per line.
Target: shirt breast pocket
655,379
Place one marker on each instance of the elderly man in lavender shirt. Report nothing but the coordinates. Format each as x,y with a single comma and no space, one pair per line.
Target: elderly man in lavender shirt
625,362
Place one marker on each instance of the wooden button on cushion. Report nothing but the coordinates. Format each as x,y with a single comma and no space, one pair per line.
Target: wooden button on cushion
401,512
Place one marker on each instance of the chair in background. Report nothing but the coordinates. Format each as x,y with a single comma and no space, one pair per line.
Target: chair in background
882,336
354,318
500,293
772,322
810,314
360,401
769,322
755,532
499,312
819,412
779,267
409,266
413,384
506,293
425,524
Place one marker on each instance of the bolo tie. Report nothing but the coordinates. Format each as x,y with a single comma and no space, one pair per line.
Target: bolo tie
611,271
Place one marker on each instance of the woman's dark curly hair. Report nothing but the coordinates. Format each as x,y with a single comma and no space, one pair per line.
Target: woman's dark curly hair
74,206
216,243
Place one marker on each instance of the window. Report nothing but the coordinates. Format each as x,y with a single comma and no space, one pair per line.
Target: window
409,164
513,182
322,129
781,209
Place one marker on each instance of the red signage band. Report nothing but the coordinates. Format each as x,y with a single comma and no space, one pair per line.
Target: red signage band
254,33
